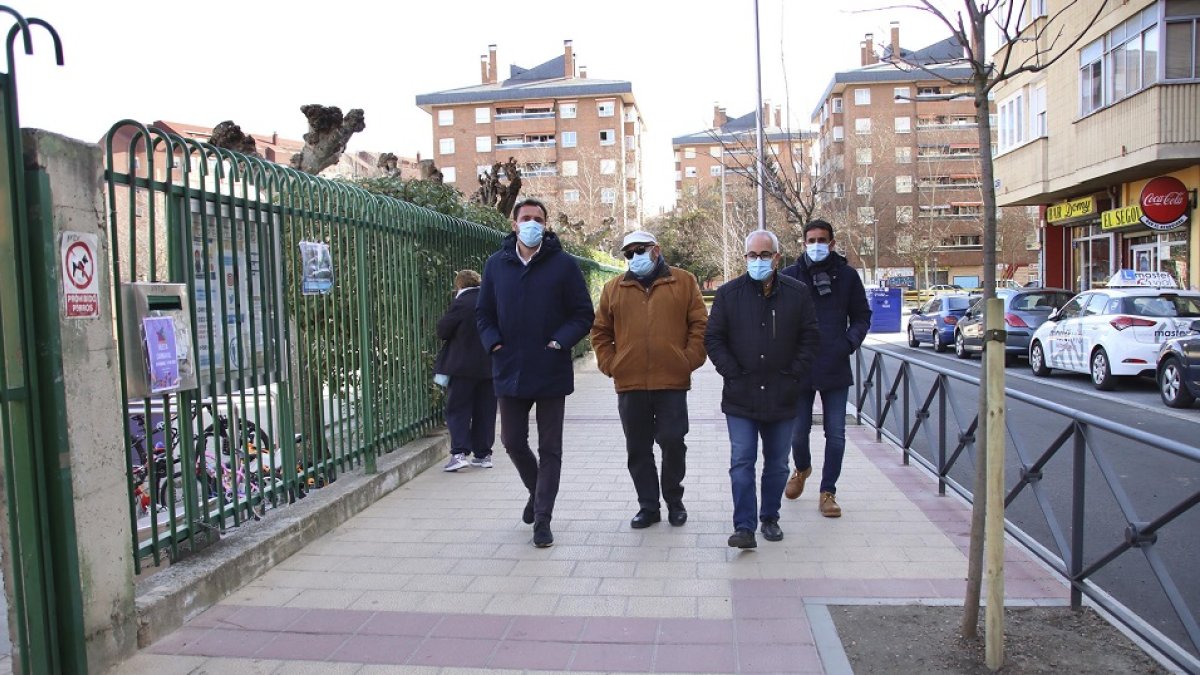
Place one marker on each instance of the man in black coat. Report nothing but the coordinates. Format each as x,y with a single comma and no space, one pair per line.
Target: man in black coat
844,316
533,307
470,394
761,336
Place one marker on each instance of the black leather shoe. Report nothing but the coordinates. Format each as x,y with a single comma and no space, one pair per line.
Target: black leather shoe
743,539
542,537
677,516
527,515
645,518
771,530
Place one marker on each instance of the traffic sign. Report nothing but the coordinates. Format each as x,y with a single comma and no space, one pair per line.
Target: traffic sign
81,290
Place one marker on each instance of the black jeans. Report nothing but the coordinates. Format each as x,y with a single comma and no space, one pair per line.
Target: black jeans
471,415
646,417
539,473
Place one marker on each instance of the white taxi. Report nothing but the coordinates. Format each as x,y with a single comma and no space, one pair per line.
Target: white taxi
1114,331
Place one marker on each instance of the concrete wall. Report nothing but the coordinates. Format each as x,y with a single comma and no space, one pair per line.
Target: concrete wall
93,408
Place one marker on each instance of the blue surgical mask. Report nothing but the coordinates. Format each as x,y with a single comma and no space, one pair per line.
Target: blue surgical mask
817,252
641,264
530,232
759,269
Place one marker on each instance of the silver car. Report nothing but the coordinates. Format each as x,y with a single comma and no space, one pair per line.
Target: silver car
1024,310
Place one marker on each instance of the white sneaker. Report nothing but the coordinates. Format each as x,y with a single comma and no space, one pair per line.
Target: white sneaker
482,462
456,462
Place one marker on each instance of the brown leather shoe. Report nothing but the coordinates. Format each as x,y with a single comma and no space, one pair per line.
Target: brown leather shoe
829,506
795,484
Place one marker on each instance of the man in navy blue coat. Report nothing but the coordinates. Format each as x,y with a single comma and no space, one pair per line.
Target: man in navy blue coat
533,307
844,316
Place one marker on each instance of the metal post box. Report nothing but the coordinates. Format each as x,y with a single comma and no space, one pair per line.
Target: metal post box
157,338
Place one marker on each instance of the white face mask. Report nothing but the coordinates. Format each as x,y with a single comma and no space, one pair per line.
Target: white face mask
817,252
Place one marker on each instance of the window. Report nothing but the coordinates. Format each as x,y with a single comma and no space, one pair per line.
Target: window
483,143
445,118
567,112
866,246
1091,77
929,91
631,197
482,169
714,151
837,104
1012,122
689,171
1183,56
608,137
1125,60
839,190
446,146
863,185
606,108
903,125
904,214
630,142
866,215
862,96
862,155
570,195
570,167
608,195
862,125
630,115
449,175
904,155
839,134
1037,111
689,153
568,139
714,170
609,167
483,115
904,184
900,93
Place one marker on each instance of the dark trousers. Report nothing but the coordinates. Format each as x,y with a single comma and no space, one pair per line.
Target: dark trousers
539,473
647,417
833,415
471,415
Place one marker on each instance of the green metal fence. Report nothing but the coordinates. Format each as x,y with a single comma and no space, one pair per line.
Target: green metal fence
296,382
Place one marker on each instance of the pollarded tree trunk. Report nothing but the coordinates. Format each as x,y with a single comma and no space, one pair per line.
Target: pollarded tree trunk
328,133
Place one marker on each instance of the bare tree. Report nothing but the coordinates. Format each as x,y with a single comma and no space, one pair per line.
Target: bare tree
230,136
1023,49
328,133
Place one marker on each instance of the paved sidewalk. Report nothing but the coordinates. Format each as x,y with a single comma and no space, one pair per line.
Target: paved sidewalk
440,575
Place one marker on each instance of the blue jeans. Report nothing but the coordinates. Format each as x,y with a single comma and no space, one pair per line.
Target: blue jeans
743,453
833,413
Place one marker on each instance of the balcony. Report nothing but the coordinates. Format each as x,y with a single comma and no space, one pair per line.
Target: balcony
1155,130
510,145
508,117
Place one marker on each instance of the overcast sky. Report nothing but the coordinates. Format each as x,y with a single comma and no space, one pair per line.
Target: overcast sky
257,61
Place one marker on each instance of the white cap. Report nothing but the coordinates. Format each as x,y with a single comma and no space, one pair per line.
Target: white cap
639,237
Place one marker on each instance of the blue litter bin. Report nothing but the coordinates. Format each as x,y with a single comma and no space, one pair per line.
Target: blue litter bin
886,305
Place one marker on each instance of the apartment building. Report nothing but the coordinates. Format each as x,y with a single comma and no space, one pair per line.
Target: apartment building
728,149
1106,141
899,170
577,140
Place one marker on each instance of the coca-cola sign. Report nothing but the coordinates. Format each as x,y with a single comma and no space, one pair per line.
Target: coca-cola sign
1164,203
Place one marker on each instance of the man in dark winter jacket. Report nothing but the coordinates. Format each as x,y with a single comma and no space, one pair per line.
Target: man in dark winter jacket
844,316
470,394
761,336
533,307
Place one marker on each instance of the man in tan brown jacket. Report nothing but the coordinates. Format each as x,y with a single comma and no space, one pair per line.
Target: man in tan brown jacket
649,337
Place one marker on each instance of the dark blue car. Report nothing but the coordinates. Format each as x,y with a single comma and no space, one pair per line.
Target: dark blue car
934,321
1178,372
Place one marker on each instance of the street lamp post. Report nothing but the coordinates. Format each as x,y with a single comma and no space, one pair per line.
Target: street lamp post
875,250
762,169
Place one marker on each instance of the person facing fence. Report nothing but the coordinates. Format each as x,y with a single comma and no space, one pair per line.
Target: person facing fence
470,393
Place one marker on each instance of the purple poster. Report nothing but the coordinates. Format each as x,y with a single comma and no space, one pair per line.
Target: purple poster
161,356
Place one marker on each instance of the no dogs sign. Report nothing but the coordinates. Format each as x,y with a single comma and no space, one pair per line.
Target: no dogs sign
81,288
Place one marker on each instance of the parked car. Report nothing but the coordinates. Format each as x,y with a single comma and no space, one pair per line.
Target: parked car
1114,331
1178,372
1024,310
933,291
934,321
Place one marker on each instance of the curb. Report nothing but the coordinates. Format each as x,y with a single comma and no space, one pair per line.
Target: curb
171,597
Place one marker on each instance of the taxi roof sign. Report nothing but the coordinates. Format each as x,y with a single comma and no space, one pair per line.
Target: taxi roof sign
1132,279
